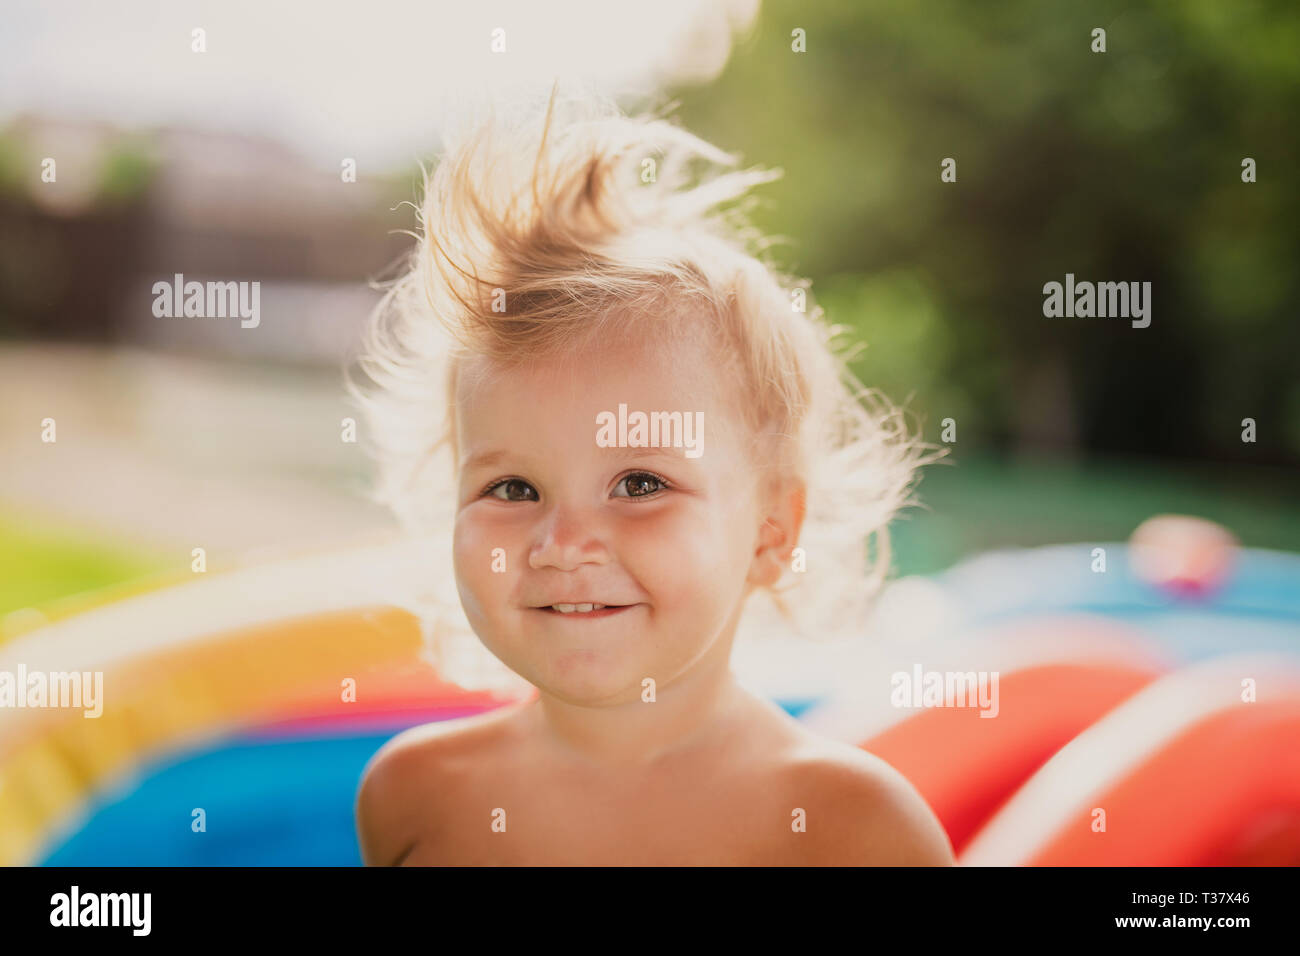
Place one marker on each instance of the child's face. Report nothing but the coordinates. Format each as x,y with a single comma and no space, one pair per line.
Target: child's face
582,523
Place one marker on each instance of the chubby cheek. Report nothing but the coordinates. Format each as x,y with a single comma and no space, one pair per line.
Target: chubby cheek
483,555
691,561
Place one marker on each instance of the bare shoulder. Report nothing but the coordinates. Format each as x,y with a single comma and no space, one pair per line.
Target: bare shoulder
860,811
410,777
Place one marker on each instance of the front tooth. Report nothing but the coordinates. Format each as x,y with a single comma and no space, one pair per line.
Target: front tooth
585,607
564,608
597,607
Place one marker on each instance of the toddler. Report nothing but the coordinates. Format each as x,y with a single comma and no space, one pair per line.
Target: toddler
649,433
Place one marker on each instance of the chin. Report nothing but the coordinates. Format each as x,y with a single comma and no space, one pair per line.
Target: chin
579,677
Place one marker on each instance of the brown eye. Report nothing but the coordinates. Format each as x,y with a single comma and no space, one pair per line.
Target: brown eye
513,489
640,484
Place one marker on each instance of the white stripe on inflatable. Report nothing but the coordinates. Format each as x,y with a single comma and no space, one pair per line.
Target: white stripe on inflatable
1108,751
858,715
218,603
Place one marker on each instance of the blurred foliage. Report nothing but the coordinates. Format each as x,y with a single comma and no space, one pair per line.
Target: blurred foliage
125,172
124,165
1115,166
11,164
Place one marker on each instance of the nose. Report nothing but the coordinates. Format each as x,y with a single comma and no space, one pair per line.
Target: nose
567,539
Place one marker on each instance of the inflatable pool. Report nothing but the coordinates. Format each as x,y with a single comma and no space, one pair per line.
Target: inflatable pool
1134,726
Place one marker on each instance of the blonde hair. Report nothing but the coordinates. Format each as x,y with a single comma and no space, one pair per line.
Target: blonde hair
583,220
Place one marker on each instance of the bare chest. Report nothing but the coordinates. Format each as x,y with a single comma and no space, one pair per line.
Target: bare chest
668,824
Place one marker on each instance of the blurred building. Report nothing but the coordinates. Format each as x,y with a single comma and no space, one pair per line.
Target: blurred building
81,253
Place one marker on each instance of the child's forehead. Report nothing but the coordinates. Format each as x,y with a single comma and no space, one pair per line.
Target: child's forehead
569,389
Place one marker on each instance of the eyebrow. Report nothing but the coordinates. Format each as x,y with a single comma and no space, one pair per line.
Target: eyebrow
484,459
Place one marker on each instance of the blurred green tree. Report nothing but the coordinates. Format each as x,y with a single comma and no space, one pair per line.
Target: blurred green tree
1119,166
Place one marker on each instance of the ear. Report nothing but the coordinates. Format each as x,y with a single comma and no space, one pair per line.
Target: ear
783,515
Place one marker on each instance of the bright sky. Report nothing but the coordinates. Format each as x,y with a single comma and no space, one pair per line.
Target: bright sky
363,78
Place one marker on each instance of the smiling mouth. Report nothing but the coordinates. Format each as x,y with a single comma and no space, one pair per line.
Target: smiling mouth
584,611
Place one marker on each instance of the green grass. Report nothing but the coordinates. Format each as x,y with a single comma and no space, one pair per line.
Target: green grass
40,564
